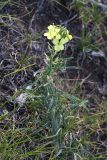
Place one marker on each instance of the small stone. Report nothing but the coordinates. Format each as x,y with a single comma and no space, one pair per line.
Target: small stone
21,99
29,87
98,54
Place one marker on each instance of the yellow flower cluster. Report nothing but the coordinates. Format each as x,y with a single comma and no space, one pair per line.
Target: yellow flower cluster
59,36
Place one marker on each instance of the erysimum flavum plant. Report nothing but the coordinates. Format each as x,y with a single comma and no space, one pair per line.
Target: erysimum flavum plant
59,36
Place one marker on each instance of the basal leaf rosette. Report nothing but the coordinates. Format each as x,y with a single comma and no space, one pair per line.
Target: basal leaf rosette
59,36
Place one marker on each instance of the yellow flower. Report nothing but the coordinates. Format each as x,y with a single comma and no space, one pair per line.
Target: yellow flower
59,48
53,28
50,27
64,40
49,35
70,37
55,41
52,32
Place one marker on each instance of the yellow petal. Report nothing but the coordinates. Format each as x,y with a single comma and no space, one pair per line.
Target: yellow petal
58,48
55,41
64,40
70,37
67,32
61,47
57,30
45,34
50,36
53,33
51,27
